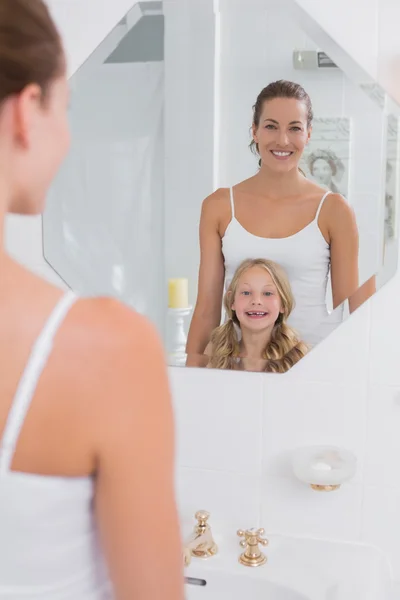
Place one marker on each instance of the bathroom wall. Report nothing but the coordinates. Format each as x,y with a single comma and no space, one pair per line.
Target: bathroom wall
234,429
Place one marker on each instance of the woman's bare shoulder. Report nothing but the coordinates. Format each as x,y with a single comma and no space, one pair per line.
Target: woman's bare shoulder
109,324
222,192
216,212
217,200
107,351
337,207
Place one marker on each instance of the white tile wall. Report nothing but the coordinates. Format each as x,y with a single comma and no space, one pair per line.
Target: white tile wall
340,358
214,443
233,499
383,450
356,368
381,522
292,508
317,414
385,325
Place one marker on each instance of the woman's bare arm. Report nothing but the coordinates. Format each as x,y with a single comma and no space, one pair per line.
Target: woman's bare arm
134,444
365,291
344,258
207,312
343,234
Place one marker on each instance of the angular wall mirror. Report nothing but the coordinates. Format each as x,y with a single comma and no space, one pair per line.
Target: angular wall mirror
162,122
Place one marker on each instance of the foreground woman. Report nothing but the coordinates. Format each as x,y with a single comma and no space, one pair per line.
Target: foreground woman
87,506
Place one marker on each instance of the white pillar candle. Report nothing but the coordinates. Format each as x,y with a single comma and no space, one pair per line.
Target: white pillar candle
178,296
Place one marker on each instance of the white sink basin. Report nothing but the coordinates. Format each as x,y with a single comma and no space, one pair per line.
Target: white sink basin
297,569
224,586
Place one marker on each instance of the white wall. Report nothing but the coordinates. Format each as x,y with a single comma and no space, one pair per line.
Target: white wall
234,429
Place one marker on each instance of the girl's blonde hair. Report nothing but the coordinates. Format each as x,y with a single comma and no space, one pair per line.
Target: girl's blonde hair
284,348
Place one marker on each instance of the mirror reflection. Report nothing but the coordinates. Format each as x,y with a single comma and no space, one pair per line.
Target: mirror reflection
243,197
256,335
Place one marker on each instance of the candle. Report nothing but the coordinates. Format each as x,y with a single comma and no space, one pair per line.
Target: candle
178,293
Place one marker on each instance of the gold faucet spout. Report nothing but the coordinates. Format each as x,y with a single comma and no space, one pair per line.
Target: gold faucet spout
201,543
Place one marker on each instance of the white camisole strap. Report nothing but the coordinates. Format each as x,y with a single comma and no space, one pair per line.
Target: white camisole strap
232,203
29,380
321,203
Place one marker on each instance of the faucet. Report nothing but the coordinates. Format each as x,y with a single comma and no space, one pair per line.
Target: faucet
200,542
252,556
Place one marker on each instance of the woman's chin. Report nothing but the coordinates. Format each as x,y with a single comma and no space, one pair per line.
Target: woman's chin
280,166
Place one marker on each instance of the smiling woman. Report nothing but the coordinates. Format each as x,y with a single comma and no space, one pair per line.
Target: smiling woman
279,215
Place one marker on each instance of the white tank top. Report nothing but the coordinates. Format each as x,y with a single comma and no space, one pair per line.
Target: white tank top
48,545
305,256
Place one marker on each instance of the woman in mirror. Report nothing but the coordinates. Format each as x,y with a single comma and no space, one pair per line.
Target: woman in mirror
280,215
86,424
255,336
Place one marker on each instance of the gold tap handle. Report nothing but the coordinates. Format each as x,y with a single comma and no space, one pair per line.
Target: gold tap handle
252,556
202,517
252,536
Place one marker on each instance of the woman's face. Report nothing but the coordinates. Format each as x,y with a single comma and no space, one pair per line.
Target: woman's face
257,302
282,133
322,171
39,141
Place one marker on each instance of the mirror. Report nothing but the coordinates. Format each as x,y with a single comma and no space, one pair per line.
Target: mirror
166,141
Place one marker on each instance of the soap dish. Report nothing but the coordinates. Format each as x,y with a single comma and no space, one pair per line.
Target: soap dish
324,468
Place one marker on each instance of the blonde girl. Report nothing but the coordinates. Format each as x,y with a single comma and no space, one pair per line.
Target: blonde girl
256,335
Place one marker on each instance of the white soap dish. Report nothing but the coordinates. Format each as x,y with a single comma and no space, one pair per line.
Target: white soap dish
324,468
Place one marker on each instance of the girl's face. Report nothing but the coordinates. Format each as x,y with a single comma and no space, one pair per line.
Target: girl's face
282,133
257,302
321,171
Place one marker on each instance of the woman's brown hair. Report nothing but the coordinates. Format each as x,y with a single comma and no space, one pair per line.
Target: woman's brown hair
31,50
280,89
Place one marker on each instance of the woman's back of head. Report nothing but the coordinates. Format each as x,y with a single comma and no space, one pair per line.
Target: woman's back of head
30,47
33,104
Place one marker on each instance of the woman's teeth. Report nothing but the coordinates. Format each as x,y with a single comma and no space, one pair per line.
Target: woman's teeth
281,154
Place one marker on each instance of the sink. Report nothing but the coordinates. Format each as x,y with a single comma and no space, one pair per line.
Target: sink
228,586
298,568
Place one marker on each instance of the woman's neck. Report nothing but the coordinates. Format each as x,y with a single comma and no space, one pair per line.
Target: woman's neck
4,196
279,184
